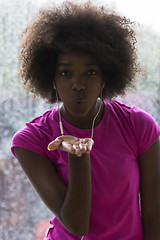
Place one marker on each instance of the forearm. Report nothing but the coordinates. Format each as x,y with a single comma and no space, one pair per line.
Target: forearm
152,236
75,211
151,227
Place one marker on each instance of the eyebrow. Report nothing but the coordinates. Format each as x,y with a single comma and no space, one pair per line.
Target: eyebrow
70,64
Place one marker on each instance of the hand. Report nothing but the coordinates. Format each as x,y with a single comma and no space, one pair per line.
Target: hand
72,144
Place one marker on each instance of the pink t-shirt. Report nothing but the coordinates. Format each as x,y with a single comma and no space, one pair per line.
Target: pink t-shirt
123,134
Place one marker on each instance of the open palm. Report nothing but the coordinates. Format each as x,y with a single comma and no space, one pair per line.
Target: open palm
72,144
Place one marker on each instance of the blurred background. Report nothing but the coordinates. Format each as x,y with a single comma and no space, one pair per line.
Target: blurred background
22,214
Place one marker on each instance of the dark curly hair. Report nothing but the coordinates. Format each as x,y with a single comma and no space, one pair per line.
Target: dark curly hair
97,30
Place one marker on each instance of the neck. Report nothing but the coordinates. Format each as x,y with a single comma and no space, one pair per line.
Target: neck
87,121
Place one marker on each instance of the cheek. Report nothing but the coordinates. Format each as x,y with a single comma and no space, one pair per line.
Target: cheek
62,88
64,94
63,84
96,88
61,95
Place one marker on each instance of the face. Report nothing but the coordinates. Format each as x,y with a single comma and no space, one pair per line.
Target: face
78,81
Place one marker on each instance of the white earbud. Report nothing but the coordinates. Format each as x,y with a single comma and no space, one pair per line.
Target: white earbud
54,86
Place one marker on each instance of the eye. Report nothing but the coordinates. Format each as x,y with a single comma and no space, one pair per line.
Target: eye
91,72
65,73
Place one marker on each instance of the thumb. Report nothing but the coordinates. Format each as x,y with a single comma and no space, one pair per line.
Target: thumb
54,144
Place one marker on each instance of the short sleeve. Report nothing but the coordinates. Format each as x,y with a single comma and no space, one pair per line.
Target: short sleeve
146,129
28,138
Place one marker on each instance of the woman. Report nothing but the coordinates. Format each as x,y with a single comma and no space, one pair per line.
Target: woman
89,158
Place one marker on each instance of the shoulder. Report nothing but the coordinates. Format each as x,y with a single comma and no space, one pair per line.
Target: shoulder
37,133
131,118
117,106
44,119
46,123
119,111
39,124
134,113
143,120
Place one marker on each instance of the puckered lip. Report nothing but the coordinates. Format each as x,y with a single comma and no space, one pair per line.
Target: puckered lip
78,99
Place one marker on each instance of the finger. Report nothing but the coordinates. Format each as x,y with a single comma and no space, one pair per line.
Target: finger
77,150
83,147
54,144
68,147
89,145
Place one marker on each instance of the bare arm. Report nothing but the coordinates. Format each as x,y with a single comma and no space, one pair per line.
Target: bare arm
76,208
150,191
70,205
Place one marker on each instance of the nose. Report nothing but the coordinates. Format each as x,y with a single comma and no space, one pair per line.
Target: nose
78,83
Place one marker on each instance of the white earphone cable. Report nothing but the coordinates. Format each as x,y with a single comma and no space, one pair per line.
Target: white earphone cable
61,125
